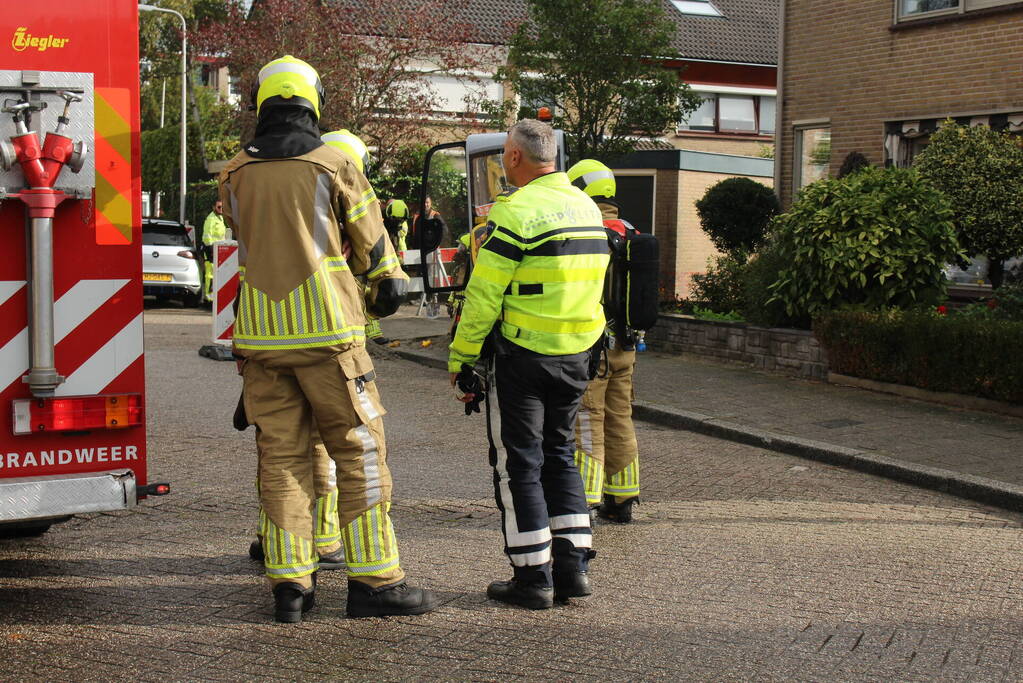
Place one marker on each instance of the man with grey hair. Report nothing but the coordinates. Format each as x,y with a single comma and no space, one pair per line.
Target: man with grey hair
536,140
539,278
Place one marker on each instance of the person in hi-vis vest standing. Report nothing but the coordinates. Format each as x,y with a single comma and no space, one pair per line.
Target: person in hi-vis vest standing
539,276
307,224
213,230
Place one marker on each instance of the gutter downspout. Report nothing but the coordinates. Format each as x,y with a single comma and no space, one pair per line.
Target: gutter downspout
779,132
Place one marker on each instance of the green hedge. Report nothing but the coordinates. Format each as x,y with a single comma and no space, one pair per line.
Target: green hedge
927,350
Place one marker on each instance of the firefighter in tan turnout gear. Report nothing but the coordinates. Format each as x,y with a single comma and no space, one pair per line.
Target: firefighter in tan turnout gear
606,451
296,207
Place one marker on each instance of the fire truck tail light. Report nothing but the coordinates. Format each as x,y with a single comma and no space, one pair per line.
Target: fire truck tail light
76,413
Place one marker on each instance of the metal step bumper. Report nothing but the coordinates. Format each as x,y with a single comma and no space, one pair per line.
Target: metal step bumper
25,498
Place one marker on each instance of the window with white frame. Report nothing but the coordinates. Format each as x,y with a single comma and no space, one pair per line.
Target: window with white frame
454,94
733,113
906,10
703,8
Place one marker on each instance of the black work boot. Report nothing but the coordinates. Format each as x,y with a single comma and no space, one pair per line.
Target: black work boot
530,587
291,600
394,600
334,560
256,550
617,512
522,593
571,570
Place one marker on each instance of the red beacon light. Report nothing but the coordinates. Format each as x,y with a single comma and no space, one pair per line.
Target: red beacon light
544,114
77,413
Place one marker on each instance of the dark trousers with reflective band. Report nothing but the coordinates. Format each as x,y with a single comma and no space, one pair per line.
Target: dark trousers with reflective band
536,483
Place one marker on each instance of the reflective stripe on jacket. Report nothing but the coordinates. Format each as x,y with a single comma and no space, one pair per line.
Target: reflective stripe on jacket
541,273
298,298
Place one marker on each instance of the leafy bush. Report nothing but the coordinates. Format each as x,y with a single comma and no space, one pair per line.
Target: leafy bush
759,305
979,170
707,314
720,288
876,238
735,213
920,348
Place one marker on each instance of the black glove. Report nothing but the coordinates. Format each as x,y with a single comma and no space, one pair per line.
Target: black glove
470,382
387,296
240,420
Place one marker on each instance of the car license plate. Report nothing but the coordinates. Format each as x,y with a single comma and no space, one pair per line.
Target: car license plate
156,277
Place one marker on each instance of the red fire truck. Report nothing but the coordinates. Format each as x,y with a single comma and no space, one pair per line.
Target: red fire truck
72,393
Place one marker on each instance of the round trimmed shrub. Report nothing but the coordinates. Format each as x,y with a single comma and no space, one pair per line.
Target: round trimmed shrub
735,214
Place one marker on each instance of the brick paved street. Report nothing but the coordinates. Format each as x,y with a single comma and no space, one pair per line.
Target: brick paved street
743,565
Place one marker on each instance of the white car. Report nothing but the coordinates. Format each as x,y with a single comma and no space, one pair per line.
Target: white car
170,268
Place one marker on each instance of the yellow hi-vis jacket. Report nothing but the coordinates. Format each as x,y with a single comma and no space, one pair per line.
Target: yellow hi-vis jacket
213,229
299,301
541,273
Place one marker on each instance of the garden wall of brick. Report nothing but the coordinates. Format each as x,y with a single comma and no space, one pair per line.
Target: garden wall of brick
794,352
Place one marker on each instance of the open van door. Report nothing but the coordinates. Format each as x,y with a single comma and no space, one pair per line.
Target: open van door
462,180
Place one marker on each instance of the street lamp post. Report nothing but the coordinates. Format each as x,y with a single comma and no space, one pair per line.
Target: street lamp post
184,99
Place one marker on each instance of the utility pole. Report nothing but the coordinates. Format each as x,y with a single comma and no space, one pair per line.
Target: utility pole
184,103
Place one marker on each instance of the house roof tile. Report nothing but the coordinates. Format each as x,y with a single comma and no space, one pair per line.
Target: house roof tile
748,31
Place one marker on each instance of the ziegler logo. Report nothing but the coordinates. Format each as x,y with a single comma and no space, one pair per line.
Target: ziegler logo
23,39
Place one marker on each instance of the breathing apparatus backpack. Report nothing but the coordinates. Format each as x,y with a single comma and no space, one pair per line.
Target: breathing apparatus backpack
631,287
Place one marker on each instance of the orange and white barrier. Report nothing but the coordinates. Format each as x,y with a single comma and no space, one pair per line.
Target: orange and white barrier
225,290
435,261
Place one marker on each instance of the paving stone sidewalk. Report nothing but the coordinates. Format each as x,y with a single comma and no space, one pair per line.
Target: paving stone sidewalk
969,442
970,453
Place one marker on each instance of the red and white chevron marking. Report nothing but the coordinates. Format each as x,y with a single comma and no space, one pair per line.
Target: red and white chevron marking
225,289
98,335
413,257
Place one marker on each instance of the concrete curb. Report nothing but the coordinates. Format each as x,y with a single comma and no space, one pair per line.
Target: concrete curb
980,489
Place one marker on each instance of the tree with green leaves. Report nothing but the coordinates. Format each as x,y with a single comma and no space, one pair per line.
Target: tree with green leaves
599,65
212,125
980,171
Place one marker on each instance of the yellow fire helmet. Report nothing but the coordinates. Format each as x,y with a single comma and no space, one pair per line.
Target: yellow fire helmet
351,145
397,208
289,81
593,178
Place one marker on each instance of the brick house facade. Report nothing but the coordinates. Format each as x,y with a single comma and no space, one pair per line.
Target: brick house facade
877,76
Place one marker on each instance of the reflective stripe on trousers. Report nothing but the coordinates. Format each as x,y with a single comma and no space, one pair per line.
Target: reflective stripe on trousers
283,403
370,548
624,483
328,529
286,556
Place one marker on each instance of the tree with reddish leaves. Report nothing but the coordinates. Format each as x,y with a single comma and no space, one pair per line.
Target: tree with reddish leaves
374,57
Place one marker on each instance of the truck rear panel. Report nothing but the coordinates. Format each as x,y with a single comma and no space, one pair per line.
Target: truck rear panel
70,455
